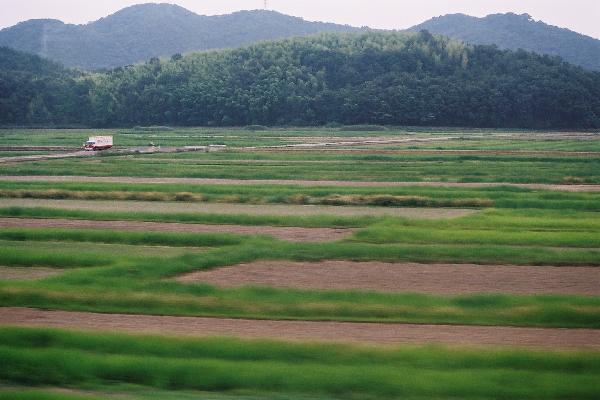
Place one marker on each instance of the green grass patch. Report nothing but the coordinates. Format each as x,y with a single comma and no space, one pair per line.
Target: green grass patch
499,196
50,357
146,238
320,221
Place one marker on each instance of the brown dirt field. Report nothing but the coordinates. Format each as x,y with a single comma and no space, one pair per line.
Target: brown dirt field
207,181
38,157
233,209
27,273
284,233
406,277
366,333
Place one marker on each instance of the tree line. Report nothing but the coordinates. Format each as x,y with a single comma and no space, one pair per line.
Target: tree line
367,78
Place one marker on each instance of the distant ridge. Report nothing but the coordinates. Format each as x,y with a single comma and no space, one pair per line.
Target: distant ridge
512,31
138,33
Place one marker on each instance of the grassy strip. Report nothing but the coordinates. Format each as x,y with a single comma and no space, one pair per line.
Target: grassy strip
12,256
271,350
490,219
256,248
133,392
121,237
410,168
322,221
499,196
390,233
166,298
301,199
410,372
43,395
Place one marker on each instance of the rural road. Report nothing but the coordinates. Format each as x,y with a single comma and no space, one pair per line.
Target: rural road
208,181
366,333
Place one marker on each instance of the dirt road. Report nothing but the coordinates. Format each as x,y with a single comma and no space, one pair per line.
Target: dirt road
367,333
235,209
283,233
39,157
27,273
206,181
406,277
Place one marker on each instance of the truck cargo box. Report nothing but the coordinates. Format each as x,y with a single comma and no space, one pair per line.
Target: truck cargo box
98,143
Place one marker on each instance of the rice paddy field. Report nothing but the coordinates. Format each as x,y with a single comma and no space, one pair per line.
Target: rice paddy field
300,264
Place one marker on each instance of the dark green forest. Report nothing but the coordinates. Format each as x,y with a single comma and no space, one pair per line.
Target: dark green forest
367,78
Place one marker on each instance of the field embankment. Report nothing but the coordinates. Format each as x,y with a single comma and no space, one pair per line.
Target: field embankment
366,333
238,209
283,233
317,183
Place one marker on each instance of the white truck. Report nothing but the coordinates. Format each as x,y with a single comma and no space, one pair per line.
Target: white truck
98,143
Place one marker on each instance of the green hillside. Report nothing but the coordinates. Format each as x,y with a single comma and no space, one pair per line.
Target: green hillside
369,78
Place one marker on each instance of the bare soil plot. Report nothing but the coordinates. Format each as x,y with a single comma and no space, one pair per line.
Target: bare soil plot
208,181
355,141
27,273
284,233
39,157
405,277
236,209
368,333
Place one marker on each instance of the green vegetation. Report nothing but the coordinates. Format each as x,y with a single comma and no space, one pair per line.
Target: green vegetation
493,227
325,166
318,221
259,367
372,78
496,196
131,283
527,227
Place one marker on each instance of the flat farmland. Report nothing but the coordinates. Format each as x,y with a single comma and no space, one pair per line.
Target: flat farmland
407,277
302,263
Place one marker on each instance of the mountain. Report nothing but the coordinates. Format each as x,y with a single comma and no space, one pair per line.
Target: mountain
386,78
138,33
512,31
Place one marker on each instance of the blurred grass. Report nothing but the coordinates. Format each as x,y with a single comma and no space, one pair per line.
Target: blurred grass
49,357
497,196
328,166
319,221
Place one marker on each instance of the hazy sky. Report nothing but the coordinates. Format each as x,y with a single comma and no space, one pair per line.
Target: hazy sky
579,15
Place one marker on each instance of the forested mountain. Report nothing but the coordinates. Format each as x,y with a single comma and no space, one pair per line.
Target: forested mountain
368,78
512,31
138,33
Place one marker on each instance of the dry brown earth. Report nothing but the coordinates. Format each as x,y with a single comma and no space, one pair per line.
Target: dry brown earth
284,233
234,209
207,181
27,273
367,333
406,277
